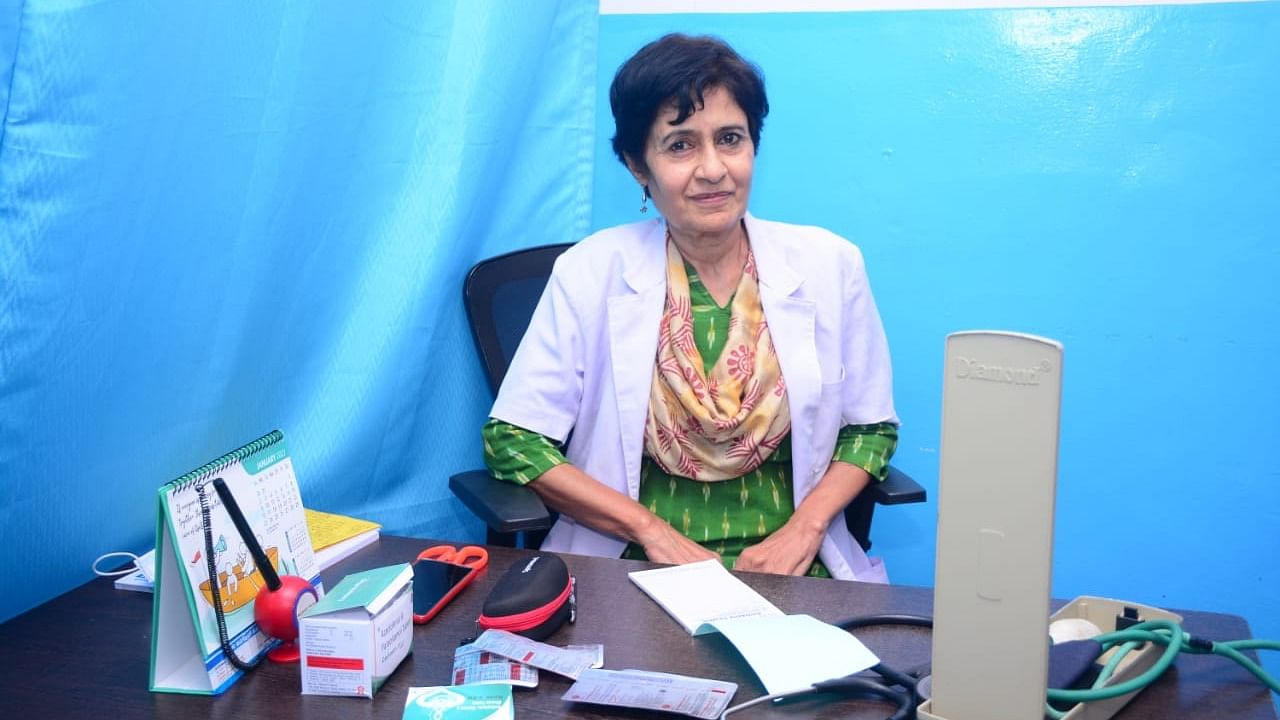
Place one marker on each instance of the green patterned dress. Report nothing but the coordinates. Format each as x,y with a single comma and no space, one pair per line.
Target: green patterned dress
726,516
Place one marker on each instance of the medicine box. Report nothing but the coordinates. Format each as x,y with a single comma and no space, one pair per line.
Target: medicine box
459,702
355,637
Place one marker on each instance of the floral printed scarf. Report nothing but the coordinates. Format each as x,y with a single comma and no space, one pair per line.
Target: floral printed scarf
720,424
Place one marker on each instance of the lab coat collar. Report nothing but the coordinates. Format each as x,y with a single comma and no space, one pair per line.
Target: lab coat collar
771,264
649,268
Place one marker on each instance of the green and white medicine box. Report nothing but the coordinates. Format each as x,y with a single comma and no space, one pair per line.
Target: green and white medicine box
459,702
355,637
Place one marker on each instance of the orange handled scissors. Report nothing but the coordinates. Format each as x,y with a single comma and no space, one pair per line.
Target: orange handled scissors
440,573
471,556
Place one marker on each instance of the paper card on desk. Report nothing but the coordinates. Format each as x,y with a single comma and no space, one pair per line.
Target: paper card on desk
560,661
791,652
140,580
700,593
473,702
136,581
473,666
692,696
595,651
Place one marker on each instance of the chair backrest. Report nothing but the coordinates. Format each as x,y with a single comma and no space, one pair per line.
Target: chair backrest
500,294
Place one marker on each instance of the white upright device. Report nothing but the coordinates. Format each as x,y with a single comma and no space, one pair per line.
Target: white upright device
998,471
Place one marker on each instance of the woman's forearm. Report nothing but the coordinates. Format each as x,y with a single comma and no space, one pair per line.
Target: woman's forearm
571,491
838,487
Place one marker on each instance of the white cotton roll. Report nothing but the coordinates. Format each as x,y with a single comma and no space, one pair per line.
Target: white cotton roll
1072,629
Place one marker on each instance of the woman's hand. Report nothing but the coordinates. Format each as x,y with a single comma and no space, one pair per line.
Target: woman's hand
790,550
664,544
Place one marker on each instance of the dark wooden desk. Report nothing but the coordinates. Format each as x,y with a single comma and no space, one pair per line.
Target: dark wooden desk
86,653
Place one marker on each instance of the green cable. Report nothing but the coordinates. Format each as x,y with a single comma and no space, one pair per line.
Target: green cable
1227,650
1116,658
1175,640
1252,644
1140,631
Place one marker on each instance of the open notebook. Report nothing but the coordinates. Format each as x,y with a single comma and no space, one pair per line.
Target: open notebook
787,652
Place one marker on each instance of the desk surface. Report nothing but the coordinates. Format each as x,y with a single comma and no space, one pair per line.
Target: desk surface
86,653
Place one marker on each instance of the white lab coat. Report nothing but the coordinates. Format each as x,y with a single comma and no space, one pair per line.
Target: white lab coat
586,362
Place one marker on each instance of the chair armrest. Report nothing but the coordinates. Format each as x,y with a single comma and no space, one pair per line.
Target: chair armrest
505,507
896,489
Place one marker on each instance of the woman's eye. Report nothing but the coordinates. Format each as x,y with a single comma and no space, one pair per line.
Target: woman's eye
680,146
731,138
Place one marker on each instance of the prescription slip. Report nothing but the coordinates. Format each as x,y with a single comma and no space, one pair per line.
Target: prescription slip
356,636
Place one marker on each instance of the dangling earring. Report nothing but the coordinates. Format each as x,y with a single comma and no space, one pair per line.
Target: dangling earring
644,198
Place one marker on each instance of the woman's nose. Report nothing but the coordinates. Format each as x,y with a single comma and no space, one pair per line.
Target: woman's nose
710,166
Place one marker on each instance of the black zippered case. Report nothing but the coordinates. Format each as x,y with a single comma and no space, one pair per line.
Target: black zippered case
533,598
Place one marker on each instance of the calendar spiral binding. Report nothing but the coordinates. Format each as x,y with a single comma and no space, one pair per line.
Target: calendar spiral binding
209,469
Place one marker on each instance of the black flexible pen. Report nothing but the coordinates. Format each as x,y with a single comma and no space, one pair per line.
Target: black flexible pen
246,534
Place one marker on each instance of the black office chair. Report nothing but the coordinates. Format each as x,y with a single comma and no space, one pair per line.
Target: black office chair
500,294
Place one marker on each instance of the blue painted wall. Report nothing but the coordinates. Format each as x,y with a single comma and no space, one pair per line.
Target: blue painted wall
1109,177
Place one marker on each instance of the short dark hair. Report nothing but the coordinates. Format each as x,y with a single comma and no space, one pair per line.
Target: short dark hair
678,70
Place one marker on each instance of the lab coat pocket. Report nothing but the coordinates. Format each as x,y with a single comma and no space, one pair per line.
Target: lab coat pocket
830,407
831,376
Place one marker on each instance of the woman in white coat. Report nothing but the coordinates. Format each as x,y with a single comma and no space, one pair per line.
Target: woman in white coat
723,381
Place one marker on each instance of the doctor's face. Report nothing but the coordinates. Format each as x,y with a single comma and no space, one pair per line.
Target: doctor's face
699,172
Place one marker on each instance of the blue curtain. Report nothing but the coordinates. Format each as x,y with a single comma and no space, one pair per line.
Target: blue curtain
217,219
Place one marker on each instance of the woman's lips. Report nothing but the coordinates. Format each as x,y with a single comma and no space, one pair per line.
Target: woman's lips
715,198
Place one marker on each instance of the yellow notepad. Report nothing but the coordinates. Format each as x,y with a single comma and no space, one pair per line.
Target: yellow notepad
330,529
334,536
